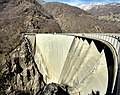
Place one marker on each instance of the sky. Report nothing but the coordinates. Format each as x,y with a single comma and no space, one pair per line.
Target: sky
80,2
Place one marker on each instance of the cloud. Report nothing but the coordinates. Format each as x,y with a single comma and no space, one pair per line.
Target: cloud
80,2
74,2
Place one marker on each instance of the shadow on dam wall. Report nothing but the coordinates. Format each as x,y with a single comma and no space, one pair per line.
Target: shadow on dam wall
110,63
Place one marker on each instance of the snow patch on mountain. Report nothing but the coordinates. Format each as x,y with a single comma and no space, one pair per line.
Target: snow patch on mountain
96,5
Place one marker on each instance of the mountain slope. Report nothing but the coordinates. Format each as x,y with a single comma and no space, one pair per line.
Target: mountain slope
18,16
19,74
73,19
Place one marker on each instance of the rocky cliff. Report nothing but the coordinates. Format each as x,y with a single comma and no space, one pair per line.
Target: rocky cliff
21,76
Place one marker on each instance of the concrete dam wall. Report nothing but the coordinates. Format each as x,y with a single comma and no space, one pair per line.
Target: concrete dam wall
80,62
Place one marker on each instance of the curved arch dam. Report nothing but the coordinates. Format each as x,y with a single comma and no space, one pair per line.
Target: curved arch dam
81,62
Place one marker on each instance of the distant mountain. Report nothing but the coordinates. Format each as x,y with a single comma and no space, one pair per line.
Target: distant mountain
102,8
109,12
73,19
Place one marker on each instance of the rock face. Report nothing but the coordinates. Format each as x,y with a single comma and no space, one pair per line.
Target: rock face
21,74
73,19
18,16
54,89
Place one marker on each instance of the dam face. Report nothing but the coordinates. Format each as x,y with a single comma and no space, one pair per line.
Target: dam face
71,61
